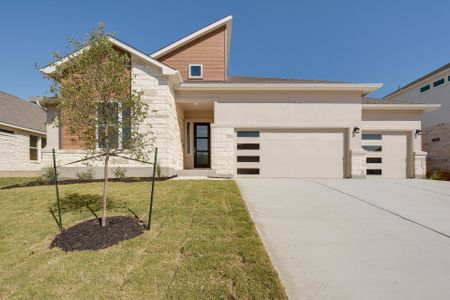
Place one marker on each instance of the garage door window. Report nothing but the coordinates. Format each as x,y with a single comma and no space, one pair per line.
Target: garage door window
248,146
373,172
248,171
374,160
372,148
248,158
371,136
248,133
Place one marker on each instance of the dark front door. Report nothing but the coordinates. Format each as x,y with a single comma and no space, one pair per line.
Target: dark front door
201,145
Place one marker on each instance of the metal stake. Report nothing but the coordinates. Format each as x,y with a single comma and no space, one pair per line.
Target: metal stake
153,189
58,205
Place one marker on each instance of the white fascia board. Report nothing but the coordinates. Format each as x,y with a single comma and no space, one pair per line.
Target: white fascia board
225,21
360,87
23,128
166,70
421,107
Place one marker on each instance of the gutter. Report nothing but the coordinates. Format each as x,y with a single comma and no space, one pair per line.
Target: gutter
420,107
23,128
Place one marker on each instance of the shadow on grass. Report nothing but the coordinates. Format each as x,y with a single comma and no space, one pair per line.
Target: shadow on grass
92,202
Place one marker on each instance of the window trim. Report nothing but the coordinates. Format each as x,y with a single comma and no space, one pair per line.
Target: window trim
194,76
380,148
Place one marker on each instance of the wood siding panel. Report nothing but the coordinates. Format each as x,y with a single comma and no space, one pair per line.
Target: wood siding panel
208,50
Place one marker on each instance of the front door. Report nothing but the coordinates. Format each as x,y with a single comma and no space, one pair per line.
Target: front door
201,145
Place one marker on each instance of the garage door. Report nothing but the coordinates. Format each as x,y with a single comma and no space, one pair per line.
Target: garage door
386,154
305,154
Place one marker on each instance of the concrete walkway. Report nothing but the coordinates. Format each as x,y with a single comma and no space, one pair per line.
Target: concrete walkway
355,239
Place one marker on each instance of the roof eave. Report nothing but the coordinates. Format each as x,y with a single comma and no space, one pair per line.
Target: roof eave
360,87
23,128
420,107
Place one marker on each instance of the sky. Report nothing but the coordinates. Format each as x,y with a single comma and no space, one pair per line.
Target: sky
378,41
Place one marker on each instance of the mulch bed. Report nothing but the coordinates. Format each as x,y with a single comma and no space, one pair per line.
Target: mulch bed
75,181
89,235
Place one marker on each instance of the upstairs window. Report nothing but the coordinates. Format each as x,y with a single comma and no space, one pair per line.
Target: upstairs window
425,88
119,130
438,82
195,71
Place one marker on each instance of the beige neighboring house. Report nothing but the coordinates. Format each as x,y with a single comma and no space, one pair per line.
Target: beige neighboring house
22,136
433,87
213,123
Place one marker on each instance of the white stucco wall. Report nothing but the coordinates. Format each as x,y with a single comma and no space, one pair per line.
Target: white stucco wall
15,151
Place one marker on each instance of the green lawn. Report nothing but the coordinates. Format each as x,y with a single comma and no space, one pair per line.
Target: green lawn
6,181
203,245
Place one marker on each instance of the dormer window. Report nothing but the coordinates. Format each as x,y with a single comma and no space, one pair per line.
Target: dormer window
195,71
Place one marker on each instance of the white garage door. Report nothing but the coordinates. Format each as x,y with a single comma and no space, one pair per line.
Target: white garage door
386,154
305,154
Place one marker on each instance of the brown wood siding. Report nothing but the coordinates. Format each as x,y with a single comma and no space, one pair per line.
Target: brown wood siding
208,50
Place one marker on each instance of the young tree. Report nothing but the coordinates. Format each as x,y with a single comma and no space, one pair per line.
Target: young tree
96,103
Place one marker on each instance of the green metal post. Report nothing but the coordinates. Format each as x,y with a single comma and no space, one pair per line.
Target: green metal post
58,204
153,189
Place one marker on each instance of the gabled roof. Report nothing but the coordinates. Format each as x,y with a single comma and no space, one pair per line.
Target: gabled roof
166,70
423,78
227,21
21,114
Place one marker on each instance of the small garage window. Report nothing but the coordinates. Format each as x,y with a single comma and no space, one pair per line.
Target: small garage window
248,158
372,148
248,133
371,136
248,171
373,172
373,160
248,146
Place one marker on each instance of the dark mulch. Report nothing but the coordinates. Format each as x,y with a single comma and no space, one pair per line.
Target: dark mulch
89,235
75,181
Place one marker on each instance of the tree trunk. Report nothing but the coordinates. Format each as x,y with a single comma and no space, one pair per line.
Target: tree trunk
105,177
105,189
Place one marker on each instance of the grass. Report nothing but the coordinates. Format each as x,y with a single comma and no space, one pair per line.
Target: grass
203,245
7,181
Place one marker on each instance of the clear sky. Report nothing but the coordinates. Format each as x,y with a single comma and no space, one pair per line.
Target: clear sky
387,41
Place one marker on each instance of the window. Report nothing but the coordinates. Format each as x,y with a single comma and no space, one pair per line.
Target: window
438,82
195,71
425,88
188,137
248,171
436,140
33,147
247,146
248,158
6,131
371,136
43,143
373,160
111,112
373,172
248,133
372,148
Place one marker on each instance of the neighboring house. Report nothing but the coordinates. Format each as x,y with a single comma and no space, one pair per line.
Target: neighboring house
213,123
22,136
434,87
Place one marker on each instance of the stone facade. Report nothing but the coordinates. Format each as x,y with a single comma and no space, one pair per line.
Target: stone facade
358,164
222,149
436,141
15,152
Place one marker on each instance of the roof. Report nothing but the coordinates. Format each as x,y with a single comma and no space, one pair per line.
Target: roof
425,77
51,68
227,21
22,114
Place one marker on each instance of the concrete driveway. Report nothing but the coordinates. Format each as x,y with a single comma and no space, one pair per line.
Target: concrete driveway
355,239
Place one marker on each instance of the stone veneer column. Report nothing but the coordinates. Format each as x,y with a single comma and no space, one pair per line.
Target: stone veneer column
420,164
222,150
162,124
358,163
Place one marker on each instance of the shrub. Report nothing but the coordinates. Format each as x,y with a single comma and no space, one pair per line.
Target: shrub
120,173
89,174
158,170
48,176
438,175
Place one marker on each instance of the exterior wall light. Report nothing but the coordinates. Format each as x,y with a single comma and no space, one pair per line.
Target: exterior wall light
418,132
356,129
